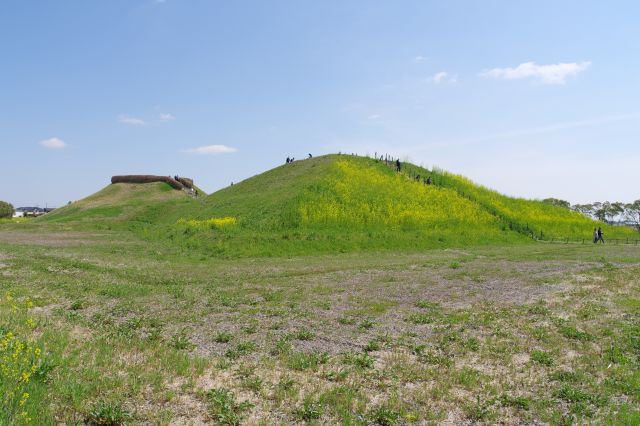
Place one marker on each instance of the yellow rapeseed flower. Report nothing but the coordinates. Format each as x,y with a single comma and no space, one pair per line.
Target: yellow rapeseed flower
214,222
31,323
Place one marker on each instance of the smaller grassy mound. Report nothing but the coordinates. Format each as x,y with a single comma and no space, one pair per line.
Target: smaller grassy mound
117,203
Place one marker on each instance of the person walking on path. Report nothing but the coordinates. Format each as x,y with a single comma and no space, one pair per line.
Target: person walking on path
600,235
595,235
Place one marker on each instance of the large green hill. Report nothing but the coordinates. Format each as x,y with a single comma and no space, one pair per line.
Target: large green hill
327,204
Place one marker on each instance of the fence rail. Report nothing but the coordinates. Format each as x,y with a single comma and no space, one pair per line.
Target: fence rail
614,241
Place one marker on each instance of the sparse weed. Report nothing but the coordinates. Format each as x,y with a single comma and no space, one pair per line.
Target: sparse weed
181,342
309,410
372,346
223,337
519,402
224,407
241,349
575,334
479,410
304,334
541,357
347,320
306,360
253,383
366,324
384,416
105,413
472,344
77,305
361,360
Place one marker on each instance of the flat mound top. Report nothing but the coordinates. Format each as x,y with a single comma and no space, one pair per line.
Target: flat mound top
118,193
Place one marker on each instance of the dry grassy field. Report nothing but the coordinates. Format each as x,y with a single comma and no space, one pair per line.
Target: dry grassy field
134,333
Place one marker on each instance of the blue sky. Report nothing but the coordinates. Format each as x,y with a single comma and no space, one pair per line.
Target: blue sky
534,99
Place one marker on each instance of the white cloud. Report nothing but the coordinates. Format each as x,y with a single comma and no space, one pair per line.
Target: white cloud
211,149
125,119
53,143
548,74
419,58
444,77
373,116
167,117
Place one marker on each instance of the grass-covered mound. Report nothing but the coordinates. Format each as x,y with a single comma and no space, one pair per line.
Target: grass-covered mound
328,204
118,204
344,203
335,203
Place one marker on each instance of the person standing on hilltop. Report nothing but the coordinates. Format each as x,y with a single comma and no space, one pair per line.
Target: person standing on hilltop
397,165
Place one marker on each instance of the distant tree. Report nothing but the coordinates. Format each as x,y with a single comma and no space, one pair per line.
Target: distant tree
585,209
601,210
6,209
632,213
616,209
556,202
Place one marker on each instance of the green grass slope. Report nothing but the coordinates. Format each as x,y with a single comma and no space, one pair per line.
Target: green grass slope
541,220
118,204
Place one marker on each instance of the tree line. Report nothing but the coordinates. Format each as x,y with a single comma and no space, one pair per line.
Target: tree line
605,211
6,209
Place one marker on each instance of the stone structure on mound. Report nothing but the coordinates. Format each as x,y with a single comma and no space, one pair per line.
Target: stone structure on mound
179,183
188,183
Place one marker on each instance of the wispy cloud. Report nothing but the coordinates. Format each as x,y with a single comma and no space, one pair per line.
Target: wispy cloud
547,129
548,74
53,143
133,121
211,149
443,77
167,117
373,116
419,58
